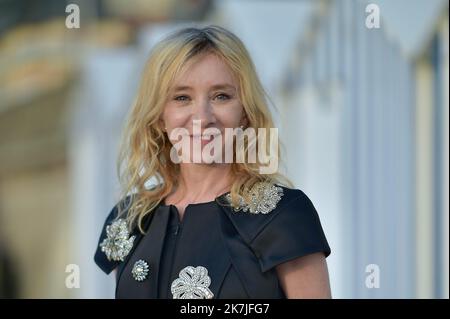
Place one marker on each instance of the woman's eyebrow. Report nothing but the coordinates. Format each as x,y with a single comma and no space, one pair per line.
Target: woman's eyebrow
223,87
182,88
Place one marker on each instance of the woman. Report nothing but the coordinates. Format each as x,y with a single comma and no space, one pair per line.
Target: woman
207,228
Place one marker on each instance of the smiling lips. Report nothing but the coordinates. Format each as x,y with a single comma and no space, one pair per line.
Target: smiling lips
207,137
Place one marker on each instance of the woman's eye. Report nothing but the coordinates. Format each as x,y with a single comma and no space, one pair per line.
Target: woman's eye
222,97
181,98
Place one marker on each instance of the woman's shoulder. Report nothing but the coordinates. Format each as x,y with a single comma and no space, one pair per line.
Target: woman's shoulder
292,198
269,204
267,200
283,226
295,201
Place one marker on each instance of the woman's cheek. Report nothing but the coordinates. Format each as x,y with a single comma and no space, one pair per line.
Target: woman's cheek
233,116
176,117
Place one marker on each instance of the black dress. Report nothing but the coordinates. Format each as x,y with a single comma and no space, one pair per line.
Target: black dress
214,250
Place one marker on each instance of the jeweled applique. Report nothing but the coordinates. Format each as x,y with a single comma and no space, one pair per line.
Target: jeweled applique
118,243
192,283
264,198
140,270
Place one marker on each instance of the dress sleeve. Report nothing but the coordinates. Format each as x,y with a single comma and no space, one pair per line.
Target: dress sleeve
294,231
100,257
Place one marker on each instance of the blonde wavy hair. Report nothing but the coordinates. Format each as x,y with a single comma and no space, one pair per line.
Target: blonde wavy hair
145,148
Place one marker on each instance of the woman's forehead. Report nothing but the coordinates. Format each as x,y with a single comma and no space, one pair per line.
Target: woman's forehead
205,71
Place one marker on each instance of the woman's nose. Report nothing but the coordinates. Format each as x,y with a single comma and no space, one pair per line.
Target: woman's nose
203,111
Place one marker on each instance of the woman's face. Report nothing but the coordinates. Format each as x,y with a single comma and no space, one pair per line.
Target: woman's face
203,96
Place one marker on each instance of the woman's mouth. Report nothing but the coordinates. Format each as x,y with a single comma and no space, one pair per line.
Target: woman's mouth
205,139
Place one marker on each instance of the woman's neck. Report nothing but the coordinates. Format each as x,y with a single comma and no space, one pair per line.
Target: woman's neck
202,183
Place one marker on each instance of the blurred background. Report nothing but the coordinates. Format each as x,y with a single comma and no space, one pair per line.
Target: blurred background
362,109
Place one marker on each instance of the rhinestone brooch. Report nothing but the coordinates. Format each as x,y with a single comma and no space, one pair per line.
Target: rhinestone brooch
118,243
192,283
140,270
264,198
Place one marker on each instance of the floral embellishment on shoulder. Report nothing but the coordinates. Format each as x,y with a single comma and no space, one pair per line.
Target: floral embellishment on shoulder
264,198
118,243
192,283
